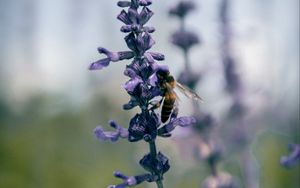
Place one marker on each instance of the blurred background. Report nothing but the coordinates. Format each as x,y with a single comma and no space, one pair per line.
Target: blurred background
50,102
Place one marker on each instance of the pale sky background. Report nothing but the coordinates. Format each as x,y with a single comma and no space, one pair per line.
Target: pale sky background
46,47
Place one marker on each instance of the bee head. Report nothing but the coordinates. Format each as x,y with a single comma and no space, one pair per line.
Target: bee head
162,74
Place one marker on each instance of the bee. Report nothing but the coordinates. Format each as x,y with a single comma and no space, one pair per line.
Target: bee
167,84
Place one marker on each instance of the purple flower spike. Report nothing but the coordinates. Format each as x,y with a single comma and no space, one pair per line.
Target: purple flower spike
293,158
111,135
143,89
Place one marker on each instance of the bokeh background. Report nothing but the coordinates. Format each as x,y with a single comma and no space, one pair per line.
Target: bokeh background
50,102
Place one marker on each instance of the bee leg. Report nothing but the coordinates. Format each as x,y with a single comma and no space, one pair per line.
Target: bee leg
155,104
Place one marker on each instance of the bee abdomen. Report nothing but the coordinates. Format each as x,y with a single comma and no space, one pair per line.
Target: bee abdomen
167,107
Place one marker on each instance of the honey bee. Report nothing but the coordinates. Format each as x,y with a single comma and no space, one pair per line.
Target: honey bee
167,84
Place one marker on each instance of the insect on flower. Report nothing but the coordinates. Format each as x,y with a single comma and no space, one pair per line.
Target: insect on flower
167,84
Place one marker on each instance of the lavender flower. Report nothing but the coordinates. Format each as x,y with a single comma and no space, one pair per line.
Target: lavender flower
142,87
293,158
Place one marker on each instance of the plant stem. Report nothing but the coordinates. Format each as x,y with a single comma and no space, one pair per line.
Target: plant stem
153,153
159,184
186,60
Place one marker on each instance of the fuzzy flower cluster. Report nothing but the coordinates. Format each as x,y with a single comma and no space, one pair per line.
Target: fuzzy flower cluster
208,150
293,158
143,89
182,38
185,40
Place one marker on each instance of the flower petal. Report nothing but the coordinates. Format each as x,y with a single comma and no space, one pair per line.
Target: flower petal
149,58
149,29
125,55
124,17
131,104
169,127
184,121
157,56
126,28
98,65
133,15
111,135
113,56
145,2
130,181
130,72
124,4
131,42
145,15
131,84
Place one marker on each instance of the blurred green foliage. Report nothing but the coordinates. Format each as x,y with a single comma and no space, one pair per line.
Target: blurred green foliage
47,143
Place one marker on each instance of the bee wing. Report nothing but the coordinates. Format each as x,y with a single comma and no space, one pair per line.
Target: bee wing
170,89
188,92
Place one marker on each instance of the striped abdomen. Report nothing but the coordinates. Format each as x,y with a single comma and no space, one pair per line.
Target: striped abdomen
169,100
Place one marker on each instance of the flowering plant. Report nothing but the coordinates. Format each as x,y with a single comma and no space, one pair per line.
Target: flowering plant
143,87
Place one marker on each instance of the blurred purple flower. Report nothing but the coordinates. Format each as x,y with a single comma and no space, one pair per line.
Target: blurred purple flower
233,81
184,39
111,135
204,122
189,78
222,180
293,158
182,8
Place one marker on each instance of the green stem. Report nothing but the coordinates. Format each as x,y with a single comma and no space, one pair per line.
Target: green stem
153,153
159,184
